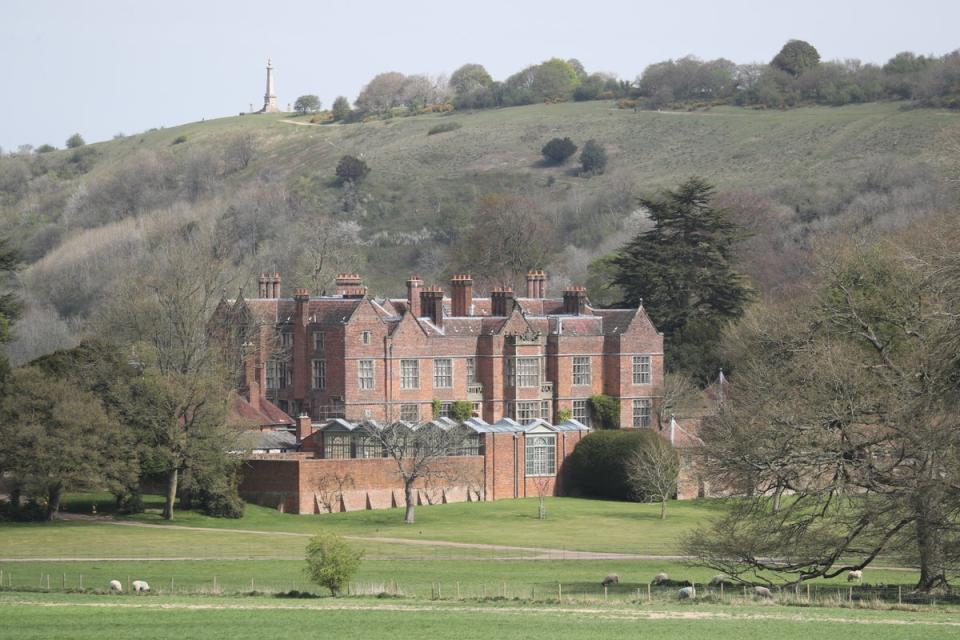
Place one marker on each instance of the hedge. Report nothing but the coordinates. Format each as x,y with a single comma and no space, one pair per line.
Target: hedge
597,467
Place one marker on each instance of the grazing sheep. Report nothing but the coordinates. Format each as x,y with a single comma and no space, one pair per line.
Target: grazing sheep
856,574
687,593
140,586
718,580
660,578
116,586
610,579
762,592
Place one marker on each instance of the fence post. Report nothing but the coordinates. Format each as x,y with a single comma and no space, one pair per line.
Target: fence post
63,582
458,589
604,592
171,585
215,583
649,593
439,591
721,591
559,592
850,598
808,592
899,594
81,581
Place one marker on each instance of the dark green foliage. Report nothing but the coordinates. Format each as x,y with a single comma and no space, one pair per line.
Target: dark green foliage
682,272
593,158
341,108
307,104
75,141
351,169
558,150
598,466
444,127
331,561
178,140
10,306
461,410
796,57
605,411
46,148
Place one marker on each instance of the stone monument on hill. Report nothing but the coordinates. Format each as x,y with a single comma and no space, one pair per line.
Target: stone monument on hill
269,98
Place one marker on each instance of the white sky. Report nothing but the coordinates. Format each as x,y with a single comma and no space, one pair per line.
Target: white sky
108,66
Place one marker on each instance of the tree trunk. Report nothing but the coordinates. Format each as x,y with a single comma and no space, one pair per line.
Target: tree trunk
53,500
411,502
542,512
172,478
663,509
15,494
933,574
777,495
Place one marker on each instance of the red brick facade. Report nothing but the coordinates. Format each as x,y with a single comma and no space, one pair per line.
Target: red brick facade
358,357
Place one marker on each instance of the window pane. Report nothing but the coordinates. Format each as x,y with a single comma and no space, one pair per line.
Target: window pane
528,372
580,411
471,370
443,373
541,457
318,340
410,412
641,413
581,370
319,374
409,374
365,374
336,445
641,369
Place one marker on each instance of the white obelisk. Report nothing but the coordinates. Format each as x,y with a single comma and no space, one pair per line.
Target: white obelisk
270,98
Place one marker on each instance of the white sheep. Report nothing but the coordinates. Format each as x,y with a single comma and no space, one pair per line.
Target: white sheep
116,586
762,592
140,586
660,578
687,593
856,574
610,579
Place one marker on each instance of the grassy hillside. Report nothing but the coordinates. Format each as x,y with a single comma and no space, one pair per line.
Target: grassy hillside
85,222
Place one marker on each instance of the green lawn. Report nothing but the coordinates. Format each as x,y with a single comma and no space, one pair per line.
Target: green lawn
29,616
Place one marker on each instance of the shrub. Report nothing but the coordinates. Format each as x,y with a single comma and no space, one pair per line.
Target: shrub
444,127
598,466
461,410
341,108
558,150
563,415
307,104
351,169
75,141
606,411
593,158
178,140
331,561
46,148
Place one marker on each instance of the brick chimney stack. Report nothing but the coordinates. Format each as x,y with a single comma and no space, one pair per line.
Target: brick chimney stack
304,426
250,375
350,285
414,285
501,301
275,293
461,295
262,286
574,300
536,284
431,298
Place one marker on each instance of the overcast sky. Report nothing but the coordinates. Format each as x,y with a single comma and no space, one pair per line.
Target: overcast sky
103,67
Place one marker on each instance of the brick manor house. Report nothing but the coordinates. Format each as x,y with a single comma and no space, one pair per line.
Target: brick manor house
317,368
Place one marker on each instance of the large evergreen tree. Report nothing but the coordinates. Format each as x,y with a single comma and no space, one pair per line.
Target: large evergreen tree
682,270
9,304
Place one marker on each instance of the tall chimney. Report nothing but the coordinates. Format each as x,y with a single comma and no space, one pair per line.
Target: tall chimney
414,285
275,286
431,298
501,299
536,283
262,286
304,426
350,285
574,300
461,295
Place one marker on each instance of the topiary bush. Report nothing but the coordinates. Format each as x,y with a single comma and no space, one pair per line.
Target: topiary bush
558,150
598,465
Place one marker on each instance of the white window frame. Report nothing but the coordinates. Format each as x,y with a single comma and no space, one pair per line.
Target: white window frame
642,413
641,369
526,410
409,374
540,453
443,379
527,371
366,375
581,411
318,379
365,337
581,371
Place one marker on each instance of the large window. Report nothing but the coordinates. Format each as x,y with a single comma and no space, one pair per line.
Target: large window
365,374
526,410
319,378
581,370
278,375
471,370
528,372
409,374
541,455
369,447
580,411
641,369
410,412
442,373
641,412
445,409
337,445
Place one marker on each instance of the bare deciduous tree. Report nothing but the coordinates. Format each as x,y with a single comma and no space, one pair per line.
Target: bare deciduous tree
330,487
652,473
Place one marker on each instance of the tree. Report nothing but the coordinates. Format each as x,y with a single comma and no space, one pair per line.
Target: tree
652,473
10,306
472,87
606,411
461,410
599,465
331,561
382,93
543,486
847,400
307,104
75,141
240,151
682,271
351,169
593,158
341,108
57,438
558,150
796,57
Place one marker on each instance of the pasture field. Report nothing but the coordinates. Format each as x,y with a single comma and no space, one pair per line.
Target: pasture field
33,616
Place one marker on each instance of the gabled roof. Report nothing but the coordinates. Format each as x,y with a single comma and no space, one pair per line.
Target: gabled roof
283,440
240,411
